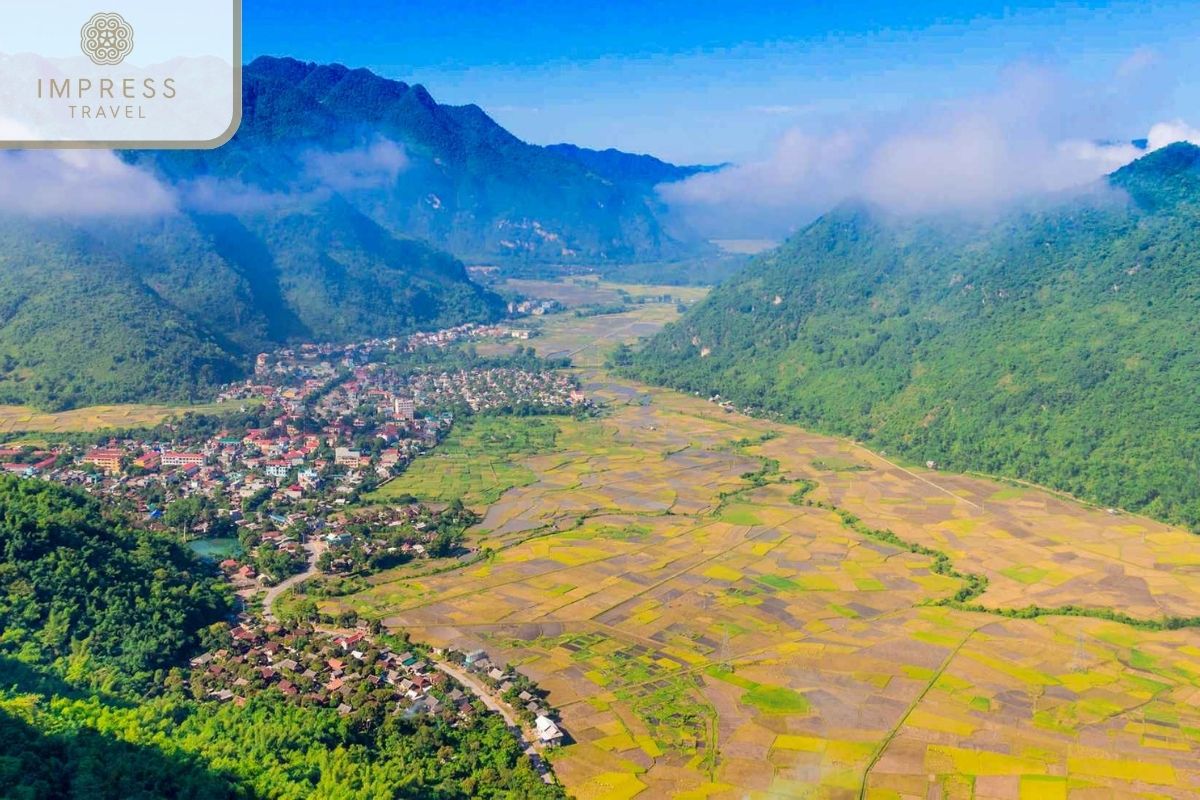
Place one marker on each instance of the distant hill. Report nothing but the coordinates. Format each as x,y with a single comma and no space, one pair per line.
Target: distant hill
619,167
466,184
1056,344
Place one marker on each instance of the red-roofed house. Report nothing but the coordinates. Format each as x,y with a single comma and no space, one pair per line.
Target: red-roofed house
346,642
148,460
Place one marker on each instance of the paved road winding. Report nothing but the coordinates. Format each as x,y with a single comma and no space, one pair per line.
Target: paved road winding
503,710
314,548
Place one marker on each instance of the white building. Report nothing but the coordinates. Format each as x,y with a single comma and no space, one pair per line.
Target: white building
404,408
547,731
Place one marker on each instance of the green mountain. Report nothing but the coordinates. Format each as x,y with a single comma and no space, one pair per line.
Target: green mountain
77,324
82,591
165,309
447,174
325,218
1056,344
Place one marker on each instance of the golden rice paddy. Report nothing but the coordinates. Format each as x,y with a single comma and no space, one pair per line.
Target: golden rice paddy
705,638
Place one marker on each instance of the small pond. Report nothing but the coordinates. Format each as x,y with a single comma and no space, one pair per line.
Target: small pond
216,549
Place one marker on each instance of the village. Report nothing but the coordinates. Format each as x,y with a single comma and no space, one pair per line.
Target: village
320,426
274,494
365,677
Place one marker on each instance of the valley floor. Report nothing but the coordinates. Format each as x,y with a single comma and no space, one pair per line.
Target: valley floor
706,638
726,607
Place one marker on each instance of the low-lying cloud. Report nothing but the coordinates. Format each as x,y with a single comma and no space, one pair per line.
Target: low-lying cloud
1037,133
1165,133
209,195
82,184
89,184
371,166
320,172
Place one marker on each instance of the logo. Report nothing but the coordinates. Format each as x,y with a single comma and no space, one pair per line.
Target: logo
176,84
106,39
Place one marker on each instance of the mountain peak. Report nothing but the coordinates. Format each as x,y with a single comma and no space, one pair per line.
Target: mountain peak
1168,176
464,182
616,165
422,96
1174,159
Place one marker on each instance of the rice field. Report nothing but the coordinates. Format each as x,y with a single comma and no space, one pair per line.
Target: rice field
25,419
589,289
477,463
707,638
587,341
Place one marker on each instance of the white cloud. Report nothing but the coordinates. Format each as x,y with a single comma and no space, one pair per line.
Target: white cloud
78,184
217,195
86,184
1100,157
1036,133
374,165
1165,133
321,172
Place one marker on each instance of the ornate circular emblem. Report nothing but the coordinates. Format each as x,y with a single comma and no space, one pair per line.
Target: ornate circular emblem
106,39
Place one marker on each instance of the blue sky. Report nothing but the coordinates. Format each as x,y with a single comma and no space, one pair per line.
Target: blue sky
707,81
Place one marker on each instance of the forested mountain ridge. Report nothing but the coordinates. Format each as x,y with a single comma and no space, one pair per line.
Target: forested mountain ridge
328,217
1056,344
105,311
446,174
615,165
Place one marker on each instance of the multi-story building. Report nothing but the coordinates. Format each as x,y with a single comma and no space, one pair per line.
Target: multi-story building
179,459
106,458
404,408
278,469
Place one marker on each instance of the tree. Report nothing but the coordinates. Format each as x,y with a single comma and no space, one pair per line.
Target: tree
622,356
185,514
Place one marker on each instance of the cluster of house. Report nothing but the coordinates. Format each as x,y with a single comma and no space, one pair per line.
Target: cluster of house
351,394
284,473
493,389
394,396
279,459
276,547
331,420
516,690
347,672
325,359
364,406
535,307
383,536
120,467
